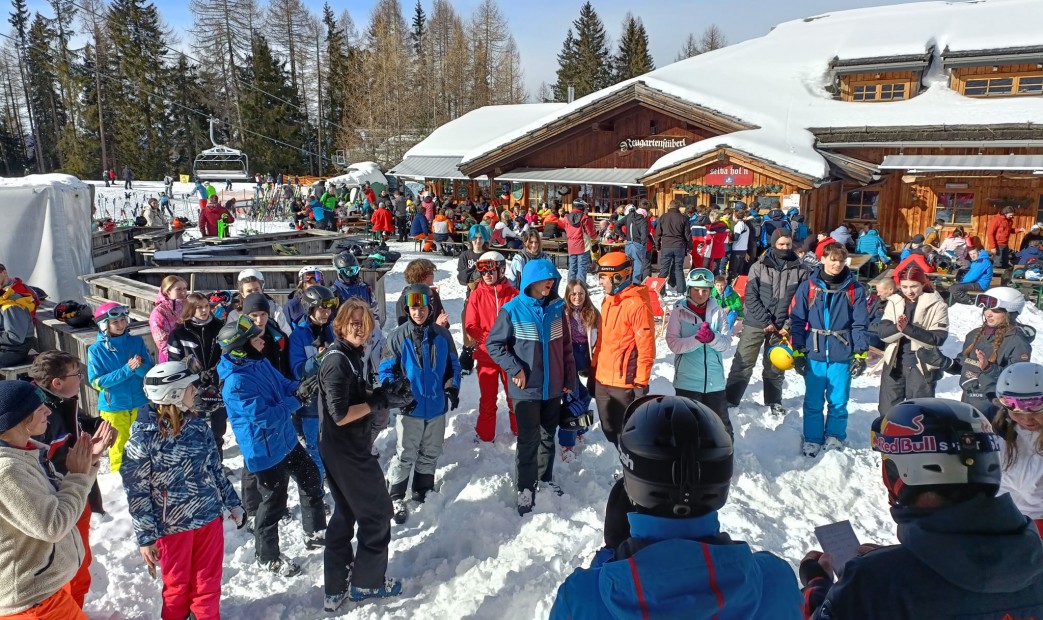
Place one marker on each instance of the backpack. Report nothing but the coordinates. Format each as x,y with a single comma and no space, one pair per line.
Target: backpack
813,288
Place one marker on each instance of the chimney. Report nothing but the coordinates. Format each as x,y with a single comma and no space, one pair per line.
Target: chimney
572,93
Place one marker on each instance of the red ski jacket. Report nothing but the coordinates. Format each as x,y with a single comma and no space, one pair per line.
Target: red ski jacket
209,216
482,308
382,220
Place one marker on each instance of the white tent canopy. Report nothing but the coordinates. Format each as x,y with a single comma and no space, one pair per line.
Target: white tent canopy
46,236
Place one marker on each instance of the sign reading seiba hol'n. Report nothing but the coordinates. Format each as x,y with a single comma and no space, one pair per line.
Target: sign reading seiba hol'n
652,143
728,175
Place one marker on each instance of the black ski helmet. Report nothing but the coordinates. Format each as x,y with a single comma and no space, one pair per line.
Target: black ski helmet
346,264
936,444
676,456
417,289
319,295
234,335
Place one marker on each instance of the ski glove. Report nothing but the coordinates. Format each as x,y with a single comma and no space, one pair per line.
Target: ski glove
239,517
307,388
640,391
800,363
858,365
377,401
454,397
933,357
207,400
705,334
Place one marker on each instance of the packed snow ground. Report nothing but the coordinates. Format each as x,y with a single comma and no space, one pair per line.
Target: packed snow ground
465,553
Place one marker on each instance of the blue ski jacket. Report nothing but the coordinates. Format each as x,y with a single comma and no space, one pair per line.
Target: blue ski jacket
834,326
426,355
680,568
259,402
980,271
871,243
173,483
530,335
420,225
304,360
119,387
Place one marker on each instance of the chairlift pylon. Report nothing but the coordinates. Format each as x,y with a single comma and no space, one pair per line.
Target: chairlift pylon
221,162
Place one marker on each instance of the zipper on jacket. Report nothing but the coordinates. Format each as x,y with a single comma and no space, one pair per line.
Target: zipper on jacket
164,518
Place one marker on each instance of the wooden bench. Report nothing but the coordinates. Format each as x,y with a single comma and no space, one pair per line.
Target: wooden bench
1033,290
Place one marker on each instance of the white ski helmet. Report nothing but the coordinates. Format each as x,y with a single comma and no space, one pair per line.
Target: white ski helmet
492,255
249,273
165,383
315,269
1001,298
1020,380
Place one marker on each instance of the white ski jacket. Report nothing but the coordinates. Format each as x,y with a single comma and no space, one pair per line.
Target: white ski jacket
1024,479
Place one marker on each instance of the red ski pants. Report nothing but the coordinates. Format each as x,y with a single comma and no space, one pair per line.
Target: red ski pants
59,606
81,582
490,376
191,564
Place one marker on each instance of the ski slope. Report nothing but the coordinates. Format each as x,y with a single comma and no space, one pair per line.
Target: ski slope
467,554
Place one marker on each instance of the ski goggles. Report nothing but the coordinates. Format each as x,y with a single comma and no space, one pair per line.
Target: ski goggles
987,302
349,272
1019,404
486,266
417,300
312,276
701,278
118,312
329,304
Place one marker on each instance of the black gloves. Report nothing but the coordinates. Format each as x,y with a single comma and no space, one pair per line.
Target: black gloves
207,400
858,365
378,401
800,363
399,395
453,393
933,357
307,388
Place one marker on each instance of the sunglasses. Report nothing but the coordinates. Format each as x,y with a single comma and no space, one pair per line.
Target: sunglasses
1031,404
349,272
486,266
987,302
119,312
416,300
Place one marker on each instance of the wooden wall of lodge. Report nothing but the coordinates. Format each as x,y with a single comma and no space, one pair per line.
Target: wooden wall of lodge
906,209
662,193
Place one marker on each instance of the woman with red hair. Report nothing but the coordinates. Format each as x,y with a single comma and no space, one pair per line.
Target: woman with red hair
915,317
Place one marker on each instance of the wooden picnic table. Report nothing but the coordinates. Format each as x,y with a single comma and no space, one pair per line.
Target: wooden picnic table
1033,289
857,261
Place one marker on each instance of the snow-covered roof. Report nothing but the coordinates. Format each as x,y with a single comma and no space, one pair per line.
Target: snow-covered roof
457,137
779,82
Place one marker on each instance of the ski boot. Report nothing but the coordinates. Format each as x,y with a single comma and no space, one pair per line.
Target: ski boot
401,511
525,502
391,587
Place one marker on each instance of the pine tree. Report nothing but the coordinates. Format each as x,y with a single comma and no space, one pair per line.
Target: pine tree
271,107
712,39
689,48
43,92
221,41
337,92
568,68
189,109
139,49
419,31
449,68
391,105
20,20
633,58
488,33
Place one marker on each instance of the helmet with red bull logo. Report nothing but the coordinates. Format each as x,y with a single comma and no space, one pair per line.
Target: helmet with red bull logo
936,444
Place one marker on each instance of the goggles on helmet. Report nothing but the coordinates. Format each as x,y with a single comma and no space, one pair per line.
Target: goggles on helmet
329,304
486,266
416,300
702,278
1018,404
988,302
349,272
117,312
312,276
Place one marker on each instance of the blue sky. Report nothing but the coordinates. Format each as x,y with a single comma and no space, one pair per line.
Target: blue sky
539,26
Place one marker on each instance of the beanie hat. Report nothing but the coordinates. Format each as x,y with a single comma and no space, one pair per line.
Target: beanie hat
18,401
778,234
256,302
917,239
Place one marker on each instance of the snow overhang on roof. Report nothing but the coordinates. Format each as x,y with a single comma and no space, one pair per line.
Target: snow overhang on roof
621,177
994,56
906,62
999,135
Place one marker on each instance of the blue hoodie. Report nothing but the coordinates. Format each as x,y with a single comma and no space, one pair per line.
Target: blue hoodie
119,387
682,569
530,335
980,271
259,402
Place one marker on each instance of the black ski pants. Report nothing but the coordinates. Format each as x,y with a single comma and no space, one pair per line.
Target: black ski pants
612,404
537,426
360,496
899,383
273,484
716,401
751,342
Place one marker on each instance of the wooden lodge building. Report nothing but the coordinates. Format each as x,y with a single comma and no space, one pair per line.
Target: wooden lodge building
943,119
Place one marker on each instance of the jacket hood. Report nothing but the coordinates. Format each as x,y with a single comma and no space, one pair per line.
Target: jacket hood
981,545
540,269
575,217
228,365
816,276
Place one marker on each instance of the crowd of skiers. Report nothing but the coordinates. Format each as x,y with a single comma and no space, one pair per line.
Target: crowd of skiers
306,389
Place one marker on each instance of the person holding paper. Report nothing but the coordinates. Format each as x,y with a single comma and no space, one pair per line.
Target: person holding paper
664,553
964,551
